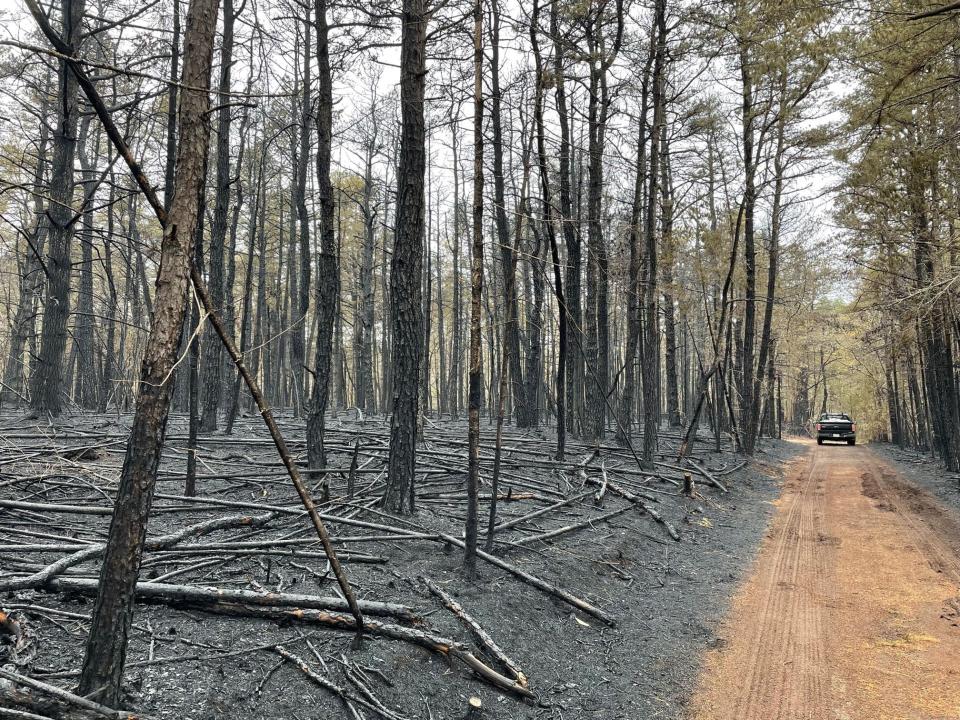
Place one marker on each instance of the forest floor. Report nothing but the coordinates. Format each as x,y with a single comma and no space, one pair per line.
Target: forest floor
852,610
199,660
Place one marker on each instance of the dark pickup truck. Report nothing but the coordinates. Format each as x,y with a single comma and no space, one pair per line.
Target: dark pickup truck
836,426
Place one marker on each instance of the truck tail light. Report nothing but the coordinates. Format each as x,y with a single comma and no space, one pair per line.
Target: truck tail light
819,427
853,427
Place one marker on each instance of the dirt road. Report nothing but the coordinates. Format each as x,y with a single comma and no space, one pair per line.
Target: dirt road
852,610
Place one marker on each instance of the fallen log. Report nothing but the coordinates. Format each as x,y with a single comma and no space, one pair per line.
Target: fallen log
41,577
637,500
478,632
346,623
61,695
538,513
570,528
345,695
200,594
543,585
706,474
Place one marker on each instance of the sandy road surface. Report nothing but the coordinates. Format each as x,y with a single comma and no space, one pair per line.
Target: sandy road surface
852,610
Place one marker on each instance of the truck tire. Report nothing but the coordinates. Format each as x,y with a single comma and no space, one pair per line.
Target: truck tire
852,441
819,441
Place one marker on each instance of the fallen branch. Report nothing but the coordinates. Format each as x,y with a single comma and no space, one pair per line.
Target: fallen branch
346,623
637,500
539,584
570,528
478,632
199,594
345,695
538,513
68,697
40,578
598,498
710,478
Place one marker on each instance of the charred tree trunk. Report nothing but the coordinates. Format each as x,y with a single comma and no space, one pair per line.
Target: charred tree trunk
634,288
456,349
302,299
406,308
83,332
47,376
476,307
669,312
547,221
574,373
525,416
328,277
32,274
212,359
103,662
366,399
746,356
649,364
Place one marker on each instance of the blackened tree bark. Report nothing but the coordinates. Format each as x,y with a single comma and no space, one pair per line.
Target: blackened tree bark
103,662
669,313
752,428
750,161
366,398
297,346
476,307
256,213
328,275
649,364
212,370
537,264
508,264
109,358
934,329
86,386
47,374
635,237
456,345
547,220
574,372
406,307
32,272
601,57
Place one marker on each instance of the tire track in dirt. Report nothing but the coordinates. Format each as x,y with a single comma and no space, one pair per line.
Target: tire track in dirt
781,656
919,513
843,615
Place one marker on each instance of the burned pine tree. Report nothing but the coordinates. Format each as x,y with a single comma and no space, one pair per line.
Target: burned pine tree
113,612
406,272
47,377
327,284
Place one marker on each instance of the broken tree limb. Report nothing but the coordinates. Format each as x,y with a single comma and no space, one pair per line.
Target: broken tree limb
345,623
637,500
88,553
541,511
345,695
10,714
570,528
201,594
710,477
477,631
278,440
598,498
68,697
543,585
